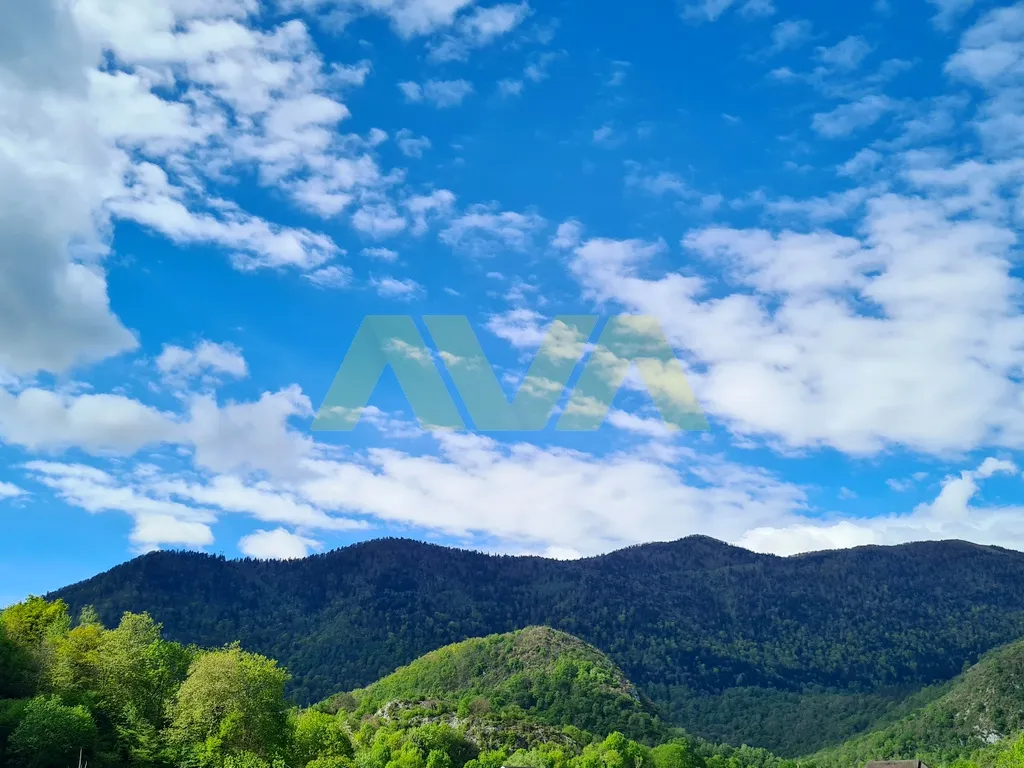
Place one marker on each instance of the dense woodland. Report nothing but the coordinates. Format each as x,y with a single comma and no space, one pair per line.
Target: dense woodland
791,654
75,691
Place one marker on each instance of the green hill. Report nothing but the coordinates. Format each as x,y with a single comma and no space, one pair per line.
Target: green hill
549,676
980,707
727,642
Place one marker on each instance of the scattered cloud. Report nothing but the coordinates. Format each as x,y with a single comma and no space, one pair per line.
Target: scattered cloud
477,29
393,288
205,357
442,94
410,144
278,544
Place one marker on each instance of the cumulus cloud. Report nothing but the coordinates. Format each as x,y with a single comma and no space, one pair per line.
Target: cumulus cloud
477,29
394,288
949,516
278,544
44,420
409,18
205,357
10,491
798,360
54,308
484,230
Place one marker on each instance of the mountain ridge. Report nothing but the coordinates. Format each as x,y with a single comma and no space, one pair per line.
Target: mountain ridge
684,619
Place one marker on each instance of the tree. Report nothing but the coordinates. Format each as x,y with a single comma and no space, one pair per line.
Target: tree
1013,755
675,755
318,735
31,621
51,735
16,675
29,629
232,702
75,669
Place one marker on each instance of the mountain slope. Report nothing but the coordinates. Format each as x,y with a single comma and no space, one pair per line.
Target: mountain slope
689,618
551,676
983,705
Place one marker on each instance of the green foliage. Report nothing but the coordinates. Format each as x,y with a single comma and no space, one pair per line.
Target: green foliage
983,704
676,755
128,698
686,621
51,735
231,702
26,632
319,735
549,675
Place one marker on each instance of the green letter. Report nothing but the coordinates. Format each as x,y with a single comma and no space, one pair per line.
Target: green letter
384,340
480,389
627,340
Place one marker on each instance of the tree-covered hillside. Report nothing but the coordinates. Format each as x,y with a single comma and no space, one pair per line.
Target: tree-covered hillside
980,707
693,618
78,693
549,675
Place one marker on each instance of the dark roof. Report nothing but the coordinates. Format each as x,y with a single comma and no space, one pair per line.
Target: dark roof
896,764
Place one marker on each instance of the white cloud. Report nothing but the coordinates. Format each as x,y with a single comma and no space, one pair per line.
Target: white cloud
949,516
425,208
603,136
278,544
931,368
205,357
250,437
331,276
993,466
789,34
847,54
153,202
394,288
712,10
567,235
379,220
158,522
484,230
409,18
381,254
948,11
510,87
849,118
40,419
477,29
10,491
657,183
410,144
549,497
754,9
522,328
260,500
440,93
56,166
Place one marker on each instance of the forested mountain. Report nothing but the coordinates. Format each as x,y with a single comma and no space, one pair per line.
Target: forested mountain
983,706
705,629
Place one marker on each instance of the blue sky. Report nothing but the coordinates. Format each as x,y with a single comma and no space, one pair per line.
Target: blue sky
819,204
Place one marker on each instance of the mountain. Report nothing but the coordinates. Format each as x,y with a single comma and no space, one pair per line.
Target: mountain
982,706
548,675
717,636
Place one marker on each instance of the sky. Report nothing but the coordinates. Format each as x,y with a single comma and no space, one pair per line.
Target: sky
817,204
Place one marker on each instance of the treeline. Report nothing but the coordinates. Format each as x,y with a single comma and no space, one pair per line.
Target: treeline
694,617
75,692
